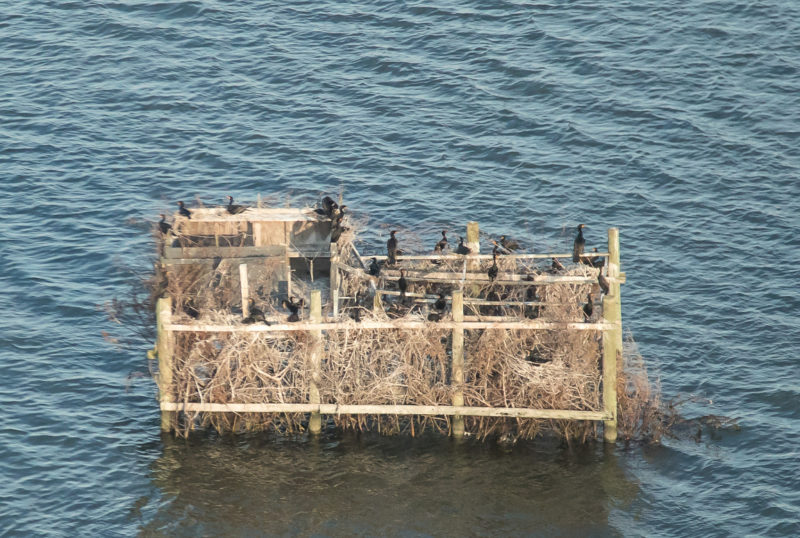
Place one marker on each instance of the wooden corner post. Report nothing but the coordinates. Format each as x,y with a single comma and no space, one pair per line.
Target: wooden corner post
165,348
315,420
612,339
457,375
335,278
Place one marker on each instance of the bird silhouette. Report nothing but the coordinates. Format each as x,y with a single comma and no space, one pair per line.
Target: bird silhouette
234,209
578,244
183,211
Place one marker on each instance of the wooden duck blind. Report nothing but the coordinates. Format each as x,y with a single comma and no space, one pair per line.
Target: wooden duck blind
514,351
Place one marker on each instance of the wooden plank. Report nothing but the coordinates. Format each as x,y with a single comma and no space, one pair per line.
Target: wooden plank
315,421
404,325
165,347
347,409
171,253
457,358
530,256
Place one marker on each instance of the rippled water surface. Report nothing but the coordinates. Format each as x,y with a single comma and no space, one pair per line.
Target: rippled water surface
676,121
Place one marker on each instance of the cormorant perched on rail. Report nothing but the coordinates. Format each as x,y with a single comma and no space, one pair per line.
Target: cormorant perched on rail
442,244
578,244
256,314
603,281
440,305
163,225
508,243
598,261
234,209
493,269
402,285
462,248
183,211
374,268
588,309
391,248
294,307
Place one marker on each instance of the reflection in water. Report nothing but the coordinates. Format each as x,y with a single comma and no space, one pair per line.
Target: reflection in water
345,484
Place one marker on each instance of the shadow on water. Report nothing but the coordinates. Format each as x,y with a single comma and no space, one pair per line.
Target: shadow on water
349,484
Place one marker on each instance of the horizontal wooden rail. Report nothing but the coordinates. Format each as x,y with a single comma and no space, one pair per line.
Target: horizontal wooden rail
369,325
487,256
345,409
503,279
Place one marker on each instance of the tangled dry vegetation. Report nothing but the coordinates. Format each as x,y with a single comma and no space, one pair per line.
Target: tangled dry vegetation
537,369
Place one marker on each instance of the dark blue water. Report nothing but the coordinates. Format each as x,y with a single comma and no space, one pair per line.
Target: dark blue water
677,122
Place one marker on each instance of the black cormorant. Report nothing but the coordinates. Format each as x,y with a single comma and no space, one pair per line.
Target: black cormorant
234,209
402,285
462,248
374,268
578,244
329,206
256,314
183,211
587,309
294,307
508,243
163,225
442,244
603,281
493,269
441,303
338,228
391,248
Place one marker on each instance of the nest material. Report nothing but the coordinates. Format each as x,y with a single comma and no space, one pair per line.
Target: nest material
503,368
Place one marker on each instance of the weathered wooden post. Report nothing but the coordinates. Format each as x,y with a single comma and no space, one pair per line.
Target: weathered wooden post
165,346
612,339
457,375
315,420
245,289
335,278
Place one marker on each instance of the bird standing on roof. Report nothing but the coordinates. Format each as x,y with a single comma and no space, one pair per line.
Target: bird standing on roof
402,285
163,225
391,248
442,244
182,211
578,244
234,209
462,248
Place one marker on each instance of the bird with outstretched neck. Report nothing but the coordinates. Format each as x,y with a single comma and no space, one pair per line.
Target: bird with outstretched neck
579,244
183,212
508,243
163,225
391,248
442,244
234,209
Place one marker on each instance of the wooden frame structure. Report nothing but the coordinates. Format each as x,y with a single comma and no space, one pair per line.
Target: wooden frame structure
610,326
